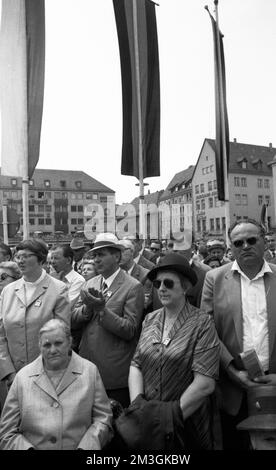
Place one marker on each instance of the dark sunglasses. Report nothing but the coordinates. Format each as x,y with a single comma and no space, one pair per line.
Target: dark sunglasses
4,276
168,283
250,241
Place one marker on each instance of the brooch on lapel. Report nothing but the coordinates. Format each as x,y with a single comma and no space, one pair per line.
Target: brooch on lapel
37,303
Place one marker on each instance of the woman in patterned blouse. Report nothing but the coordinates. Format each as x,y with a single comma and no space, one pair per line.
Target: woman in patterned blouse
177,357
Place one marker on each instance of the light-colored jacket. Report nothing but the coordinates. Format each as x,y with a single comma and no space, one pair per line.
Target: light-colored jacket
20,323
75,415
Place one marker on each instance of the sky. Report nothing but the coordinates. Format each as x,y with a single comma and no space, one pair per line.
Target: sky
82,116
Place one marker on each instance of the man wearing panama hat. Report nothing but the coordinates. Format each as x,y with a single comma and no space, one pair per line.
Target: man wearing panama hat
110,309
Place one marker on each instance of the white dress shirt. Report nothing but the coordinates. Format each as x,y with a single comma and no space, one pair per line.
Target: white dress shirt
254,312
108,281
74,282
30,287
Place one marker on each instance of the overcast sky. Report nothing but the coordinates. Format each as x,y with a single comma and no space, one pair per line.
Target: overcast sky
82,118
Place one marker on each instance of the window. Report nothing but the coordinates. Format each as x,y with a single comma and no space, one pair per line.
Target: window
79,195
78,184
260,200
74,221
203,204
212,224
40,221
223,223
63,184
244,200
80,221
197,188
48,221
210,185
14,182
198,225
217,223
31,183
80,208
73,196
244,164
103,198
211,168
203,171
73,208
14,194
267,200
40,208
211,202
215,184
88,196
203,225
206,157
31,208
266,183
56,195
48,208
47,183
6,194
40,195
207,169
63,195
48,194
243,182
238,199
202,188
216,202
32,221
198,205
94,196
236,181
259,183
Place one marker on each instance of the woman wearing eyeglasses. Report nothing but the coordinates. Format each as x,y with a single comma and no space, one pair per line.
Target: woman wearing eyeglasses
25,305
177,357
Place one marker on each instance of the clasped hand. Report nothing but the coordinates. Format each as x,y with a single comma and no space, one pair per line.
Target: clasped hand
93,299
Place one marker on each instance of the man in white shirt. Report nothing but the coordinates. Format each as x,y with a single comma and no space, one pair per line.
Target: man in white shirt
242,297
62,259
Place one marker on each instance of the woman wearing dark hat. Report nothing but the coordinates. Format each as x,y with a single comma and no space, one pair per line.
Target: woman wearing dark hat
177,357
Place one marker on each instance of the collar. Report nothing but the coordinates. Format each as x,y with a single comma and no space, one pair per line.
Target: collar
131,269
108,281
70,276
265,269
136,260
35,283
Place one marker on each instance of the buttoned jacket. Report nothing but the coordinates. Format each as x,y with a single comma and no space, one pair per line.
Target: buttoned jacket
20,322
75,415
110,341
221,297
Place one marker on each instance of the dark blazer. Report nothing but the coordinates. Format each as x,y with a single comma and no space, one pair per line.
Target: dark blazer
146,263
111,341
221,297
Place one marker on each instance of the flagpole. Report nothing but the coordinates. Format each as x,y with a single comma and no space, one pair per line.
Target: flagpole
25,207
5,222
225,172
140,134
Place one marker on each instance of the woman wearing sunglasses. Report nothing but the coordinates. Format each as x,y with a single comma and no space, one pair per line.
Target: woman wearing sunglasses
9,272
177,357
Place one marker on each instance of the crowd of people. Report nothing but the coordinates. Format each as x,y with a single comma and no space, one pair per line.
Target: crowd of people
122,346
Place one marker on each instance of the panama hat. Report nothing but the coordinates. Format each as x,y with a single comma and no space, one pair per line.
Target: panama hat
261,409
106,240
174,262
77,244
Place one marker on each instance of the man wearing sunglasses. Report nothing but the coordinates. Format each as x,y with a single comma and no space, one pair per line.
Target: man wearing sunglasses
242,298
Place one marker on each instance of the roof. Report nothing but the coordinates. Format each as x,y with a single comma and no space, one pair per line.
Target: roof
252,153
152,198
182,177
55,176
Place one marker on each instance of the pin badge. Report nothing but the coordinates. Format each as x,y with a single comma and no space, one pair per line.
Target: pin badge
167,341
37,303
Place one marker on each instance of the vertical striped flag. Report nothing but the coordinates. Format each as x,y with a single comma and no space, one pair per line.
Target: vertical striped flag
222,127
22,62
138,44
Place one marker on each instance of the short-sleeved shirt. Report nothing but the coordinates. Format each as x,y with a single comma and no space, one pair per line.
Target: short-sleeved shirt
167,369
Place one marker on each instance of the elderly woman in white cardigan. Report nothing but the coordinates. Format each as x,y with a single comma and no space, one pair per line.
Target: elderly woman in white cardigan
57,402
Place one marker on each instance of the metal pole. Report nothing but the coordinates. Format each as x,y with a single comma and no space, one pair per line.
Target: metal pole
25,205
140,134
5,222
226,184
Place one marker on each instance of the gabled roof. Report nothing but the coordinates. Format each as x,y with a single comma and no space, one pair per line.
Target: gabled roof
152,198
182,177
251,153
55,176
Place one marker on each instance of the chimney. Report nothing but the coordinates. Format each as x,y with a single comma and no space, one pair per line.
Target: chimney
235,140
270,145
148,191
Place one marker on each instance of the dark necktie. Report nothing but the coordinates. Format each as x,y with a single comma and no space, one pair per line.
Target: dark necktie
76,266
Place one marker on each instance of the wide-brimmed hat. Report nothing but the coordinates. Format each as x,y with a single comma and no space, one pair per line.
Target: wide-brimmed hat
77,244
174,262
106,240
261,409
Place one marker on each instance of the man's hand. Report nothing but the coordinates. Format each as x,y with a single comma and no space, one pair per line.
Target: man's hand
93,299
240,377
269,379
9,379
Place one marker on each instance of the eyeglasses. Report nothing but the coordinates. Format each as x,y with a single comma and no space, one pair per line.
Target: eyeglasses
25,256
4,276
250,241
168,283
154,249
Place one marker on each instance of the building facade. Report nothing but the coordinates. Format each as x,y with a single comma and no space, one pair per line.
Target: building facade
250,186
61,201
